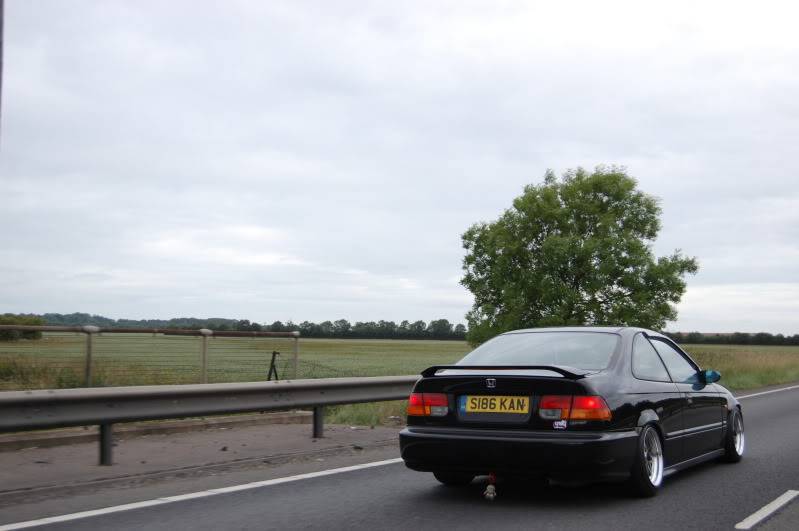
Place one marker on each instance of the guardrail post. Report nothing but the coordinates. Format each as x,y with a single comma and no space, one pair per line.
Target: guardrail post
106,444
204,355
318,422
295,355
87,371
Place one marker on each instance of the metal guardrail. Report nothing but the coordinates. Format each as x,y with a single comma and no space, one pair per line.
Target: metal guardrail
205,333
31,410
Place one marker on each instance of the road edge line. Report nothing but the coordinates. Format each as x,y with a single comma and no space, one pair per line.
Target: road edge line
768,392
192,495
767,510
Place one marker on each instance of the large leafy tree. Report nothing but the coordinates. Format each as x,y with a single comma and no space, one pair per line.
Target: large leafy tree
572,251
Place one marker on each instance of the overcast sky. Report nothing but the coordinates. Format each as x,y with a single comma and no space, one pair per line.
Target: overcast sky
320,160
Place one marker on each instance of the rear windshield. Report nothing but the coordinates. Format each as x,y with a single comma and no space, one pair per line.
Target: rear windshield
581,350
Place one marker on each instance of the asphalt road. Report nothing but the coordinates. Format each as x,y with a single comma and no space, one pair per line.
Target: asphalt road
711,496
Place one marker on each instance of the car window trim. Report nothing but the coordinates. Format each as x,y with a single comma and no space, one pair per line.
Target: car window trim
679,351
632,355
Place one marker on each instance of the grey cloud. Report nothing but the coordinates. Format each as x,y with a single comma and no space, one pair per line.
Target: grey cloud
372,135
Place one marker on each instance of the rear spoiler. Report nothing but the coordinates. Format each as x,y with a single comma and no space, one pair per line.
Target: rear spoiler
570,372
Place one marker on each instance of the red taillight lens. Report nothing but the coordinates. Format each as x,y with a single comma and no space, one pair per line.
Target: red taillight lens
435,399
554,407
589,408
557,407
428,405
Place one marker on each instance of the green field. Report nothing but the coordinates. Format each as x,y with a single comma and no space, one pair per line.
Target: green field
748,366
56,361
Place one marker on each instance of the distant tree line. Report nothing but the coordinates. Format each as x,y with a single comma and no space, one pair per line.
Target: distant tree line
735,338
342,328
435,329
189,323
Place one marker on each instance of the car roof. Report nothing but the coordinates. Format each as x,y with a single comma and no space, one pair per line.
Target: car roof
606,329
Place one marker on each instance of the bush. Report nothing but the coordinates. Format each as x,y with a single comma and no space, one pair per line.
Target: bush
21,319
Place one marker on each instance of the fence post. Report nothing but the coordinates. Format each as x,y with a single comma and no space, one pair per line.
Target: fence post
87,370
204,355
295,358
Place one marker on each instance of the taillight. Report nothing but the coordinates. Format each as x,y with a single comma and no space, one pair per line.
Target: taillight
428,405
557,407
589,408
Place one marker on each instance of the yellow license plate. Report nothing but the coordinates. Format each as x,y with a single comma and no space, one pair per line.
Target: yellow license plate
497,404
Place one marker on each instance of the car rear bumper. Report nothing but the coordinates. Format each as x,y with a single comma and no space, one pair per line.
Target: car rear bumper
566,455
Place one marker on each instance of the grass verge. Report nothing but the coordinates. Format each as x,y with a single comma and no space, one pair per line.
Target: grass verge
368,414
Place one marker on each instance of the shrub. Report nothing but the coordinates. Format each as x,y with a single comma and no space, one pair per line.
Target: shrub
21,319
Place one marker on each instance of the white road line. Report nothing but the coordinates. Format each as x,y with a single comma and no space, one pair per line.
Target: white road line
757,517
200,494
768,392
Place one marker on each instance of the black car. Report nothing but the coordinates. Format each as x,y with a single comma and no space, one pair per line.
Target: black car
578,403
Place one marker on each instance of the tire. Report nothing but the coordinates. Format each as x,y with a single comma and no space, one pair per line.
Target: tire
454,479
734,440
646,475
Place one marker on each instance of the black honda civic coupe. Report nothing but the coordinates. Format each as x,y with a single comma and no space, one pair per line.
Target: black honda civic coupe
577,403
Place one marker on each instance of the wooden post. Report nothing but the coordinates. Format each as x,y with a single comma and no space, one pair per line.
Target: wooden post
204,355
295,359
88,363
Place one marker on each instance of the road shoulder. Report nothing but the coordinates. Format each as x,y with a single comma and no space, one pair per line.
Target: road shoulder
52,481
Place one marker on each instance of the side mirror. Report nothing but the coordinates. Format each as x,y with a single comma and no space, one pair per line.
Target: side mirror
710,376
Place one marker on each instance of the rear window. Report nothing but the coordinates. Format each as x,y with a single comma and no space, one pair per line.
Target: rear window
581,350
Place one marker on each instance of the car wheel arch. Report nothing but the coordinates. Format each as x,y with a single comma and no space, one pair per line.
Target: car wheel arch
733,403
649,416
737,408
